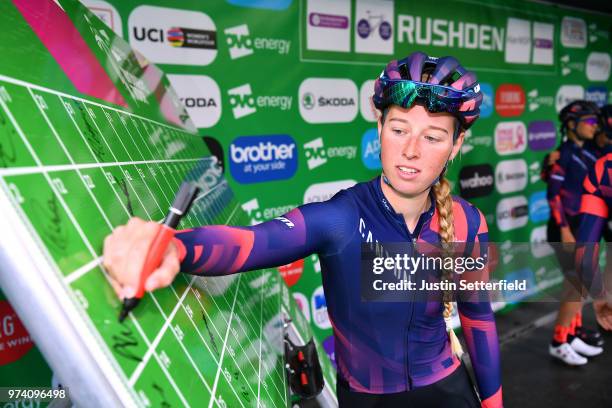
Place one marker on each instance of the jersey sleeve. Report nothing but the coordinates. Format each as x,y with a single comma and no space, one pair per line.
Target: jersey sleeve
593,216
555,181
221,250
546,169
478,323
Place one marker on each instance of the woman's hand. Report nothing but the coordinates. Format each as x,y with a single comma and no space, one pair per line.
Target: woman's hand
603,313
553,157
566,236
125,251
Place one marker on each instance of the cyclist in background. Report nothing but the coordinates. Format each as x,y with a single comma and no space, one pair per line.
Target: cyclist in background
388,354
595,206
571,342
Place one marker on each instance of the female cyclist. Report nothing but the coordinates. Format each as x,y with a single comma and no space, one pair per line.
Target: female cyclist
595,212
388,354
579,120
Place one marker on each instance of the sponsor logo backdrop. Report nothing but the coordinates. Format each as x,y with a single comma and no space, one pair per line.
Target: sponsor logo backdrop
281,89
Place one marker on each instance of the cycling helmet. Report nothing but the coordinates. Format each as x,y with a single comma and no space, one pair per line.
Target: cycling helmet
439,84
576,110
605,117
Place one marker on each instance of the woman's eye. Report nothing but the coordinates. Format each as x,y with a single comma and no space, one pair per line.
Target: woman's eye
431,138
397,131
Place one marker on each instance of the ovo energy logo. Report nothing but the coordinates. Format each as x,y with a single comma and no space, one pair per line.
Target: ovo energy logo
317,155
244,103
241,44
258,215
535,100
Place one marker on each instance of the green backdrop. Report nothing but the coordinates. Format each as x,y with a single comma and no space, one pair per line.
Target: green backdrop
305,68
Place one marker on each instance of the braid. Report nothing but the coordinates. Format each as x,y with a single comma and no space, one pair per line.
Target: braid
444,207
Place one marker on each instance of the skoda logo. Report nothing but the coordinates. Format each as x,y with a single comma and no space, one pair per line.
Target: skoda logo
308,100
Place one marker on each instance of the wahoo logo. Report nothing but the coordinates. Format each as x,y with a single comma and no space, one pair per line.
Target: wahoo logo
476,181
315,153
239,41
286,221
242,101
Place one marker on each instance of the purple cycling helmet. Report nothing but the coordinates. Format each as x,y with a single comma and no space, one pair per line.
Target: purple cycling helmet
439,84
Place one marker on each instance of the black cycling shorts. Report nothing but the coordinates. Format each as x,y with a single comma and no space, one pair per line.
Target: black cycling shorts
453,391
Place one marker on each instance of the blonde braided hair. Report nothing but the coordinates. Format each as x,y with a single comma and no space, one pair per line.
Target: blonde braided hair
444,207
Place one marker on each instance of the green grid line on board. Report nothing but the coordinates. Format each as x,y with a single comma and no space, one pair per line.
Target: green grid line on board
70,182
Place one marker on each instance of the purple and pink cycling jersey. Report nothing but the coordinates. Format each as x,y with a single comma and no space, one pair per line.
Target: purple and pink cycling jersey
380,347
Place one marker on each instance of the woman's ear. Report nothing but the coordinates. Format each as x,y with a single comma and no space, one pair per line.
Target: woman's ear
457,145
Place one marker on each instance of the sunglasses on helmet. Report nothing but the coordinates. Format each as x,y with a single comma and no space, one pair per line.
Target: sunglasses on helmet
438,98
590,121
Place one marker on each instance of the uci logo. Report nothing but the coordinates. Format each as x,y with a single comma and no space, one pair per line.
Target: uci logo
151,34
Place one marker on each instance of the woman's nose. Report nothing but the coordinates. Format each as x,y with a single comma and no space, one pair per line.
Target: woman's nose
411,148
